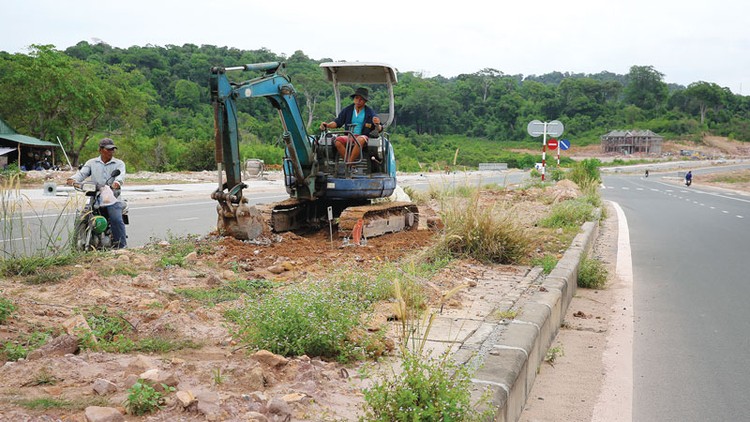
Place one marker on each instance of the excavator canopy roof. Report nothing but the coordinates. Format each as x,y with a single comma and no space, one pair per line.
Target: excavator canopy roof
358,72
363,73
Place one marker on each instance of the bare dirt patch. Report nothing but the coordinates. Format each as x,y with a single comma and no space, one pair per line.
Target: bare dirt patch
225,381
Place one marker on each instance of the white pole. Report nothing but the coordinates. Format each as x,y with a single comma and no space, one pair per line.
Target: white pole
65,154
544,150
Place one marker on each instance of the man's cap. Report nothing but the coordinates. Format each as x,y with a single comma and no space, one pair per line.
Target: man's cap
107,144
362,92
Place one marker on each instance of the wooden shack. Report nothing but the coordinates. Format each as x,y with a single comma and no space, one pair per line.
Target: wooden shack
632,142
27,152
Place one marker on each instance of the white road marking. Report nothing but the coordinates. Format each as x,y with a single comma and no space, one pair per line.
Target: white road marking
615,401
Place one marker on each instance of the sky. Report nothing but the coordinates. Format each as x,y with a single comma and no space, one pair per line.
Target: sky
686,41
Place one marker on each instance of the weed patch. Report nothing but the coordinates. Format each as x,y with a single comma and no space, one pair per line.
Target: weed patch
428,389
489,234
592,274
310,320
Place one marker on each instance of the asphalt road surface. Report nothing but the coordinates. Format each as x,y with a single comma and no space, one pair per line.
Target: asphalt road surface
175,214
690,251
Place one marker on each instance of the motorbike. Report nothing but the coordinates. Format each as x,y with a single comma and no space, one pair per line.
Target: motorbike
92,229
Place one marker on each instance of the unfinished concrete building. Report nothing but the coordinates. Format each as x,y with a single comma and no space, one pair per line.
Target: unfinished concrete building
632,142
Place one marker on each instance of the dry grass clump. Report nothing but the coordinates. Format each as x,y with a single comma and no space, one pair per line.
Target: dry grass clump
488,233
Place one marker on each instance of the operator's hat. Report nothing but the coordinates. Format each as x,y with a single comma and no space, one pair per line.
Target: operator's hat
107,143
362,92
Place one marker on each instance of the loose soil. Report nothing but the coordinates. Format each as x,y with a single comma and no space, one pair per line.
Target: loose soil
225,381
221,379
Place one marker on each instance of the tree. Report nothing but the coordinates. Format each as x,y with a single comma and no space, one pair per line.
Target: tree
645,88
187,94
706,95
51,94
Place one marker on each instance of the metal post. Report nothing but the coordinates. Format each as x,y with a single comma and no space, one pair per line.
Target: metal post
544,150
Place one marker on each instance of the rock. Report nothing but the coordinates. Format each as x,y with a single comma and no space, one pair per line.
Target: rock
213,281
277,406
99,294
185,398
192,257
144,280
104,387
59,346
276,269
130,381
294,397
270,359
140,364
255,379
208,405
255,417
103,414
78,326
157,377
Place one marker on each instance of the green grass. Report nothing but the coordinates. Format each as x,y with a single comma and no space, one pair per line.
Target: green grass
7,309
33,265
568,214
592,274
427,389
115,334
547,262
19,348
312,320
231,291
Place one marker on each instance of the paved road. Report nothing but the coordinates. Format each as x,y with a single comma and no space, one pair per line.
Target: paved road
691,291
158,212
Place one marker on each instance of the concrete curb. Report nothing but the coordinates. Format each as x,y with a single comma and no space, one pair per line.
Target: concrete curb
510,354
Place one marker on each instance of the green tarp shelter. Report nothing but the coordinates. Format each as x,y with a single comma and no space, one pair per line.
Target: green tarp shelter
25,150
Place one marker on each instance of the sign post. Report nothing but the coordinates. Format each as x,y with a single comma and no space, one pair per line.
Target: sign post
553,128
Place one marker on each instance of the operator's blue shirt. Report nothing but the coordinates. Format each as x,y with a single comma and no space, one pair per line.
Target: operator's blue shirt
346,118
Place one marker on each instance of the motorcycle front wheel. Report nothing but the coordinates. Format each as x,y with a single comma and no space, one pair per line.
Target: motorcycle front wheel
82,234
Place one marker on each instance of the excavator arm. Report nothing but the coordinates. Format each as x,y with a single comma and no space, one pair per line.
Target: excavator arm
235,216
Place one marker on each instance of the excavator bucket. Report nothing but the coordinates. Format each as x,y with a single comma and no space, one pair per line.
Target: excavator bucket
240,221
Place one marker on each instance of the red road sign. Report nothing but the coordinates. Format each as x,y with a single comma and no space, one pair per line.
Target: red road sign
552,143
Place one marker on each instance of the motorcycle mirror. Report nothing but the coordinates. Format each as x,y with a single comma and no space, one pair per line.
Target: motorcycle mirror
115,173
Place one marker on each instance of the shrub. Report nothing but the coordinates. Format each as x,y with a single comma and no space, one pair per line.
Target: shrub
7,308
428,389
310,320
142,398
592,274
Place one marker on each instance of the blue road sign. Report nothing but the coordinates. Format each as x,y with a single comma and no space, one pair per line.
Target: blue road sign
563,144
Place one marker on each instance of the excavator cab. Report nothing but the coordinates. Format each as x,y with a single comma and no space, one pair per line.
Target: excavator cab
377,158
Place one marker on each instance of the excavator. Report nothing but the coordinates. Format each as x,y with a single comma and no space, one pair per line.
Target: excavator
322,186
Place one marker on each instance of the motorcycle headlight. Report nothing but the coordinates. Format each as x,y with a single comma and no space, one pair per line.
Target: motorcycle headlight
88,187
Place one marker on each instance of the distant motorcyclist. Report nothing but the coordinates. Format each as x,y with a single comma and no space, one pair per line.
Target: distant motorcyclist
646,172
689,178
100,169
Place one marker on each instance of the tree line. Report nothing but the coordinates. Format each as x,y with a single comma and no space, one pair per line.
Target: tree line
154,100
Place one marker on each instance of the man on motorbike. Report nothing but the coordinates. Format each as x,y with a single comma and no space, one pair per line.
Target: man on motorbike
100,169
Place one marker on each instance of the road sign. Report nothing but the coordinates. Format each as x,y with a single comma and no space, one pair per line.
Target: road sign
564,144
535,128
555,128
552,143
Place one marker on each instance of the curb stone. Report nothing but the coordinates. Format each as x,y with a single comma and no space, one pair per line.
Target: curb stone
507,355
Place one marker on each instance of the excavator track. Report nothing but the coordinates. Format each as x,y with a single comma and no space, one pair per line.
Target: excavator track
380,219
